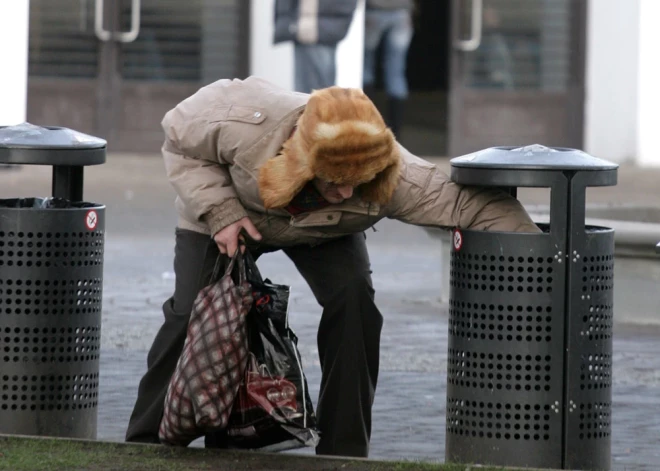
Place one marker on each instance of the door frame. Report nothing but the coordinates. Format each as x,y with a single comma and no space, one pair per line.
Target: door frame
108,88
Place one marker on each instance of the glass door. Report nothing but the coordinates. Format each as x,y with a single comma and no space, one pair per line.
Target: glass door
517,73
113,68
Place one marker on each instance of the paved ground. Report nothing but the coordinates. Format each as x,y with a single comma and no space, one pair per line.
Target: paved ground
409,415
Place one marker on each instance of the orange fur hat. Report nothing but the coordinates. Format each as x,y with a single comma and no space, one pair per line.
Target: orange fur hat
341,138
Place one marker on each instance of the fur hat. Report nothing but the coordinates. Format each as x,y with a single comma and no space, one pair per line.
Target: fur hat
340,138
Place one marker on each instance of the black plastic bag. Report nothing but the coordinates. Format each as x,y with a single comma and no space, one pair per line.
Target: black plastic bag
273,410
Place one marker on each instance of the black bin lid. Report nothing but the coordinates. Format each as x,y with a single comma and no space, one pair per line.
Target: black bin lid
36,145
526,165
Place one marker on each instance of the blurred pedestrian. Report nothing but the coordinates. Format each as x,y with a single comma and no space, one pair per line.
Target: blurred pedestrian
389,22
315,27
493,61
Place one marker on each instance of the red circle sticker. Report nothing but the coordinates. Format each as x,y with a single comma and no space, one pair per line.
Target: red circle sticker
91,220
457,240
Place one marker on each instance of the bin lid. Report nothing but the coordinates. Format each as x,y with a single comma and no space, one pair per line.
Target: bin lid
49,145
533,157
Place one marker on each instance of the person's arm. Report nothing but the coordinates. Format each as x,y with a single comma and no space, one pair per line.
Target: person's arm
426,196
205,187
200,175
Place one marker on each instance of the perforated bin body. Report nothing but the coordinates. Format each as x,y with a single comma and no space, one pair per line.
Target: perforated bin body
51,275
530,330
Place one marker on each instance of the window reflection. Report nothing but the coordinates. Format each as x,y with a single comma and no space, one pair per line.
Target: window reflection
524,46
194,41
169,44
62,42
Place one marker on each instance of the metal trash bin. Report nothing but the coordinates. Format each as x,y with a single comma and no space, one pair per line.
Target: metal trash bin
51,277
530,321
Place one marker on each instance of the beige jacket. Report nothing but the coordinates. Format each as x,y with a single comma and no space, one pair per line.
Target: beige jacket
217,140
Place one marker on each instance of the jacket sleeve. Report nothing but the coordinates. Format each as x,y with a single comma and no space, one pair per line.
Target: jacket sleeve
426,196
196,168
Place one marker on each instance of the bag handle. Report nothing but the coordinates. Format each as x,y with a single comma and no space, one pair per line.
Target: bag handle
236,259
251,270
247,266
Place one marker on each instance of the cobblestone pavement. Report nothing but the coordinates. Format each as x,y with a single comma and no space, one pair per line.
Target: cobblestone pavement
409,412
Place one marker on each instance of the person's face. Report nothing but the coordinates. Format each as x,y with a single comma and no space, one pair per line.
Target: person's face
332,192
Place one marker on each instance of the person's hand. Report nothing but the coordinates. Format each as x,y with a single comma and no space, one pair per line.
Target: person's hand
227,238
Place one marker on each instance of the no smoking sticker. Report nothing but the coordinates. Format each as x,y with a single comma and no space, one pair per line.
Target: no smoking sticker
91,220
458,240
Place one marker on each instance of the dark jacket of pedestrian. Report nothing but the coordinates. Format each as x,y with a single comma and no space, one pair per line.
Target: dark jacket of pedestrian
313,21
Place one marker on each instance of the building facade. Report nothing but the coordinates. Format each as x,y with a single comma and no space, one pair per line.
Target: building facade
568,73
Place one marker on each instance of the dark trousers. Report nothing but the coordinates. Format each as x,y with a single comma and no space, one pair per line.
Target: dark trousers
338,273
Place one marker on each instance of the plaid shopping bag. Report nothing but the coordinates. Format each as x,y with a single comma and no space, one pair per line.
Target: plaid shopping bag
212,365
